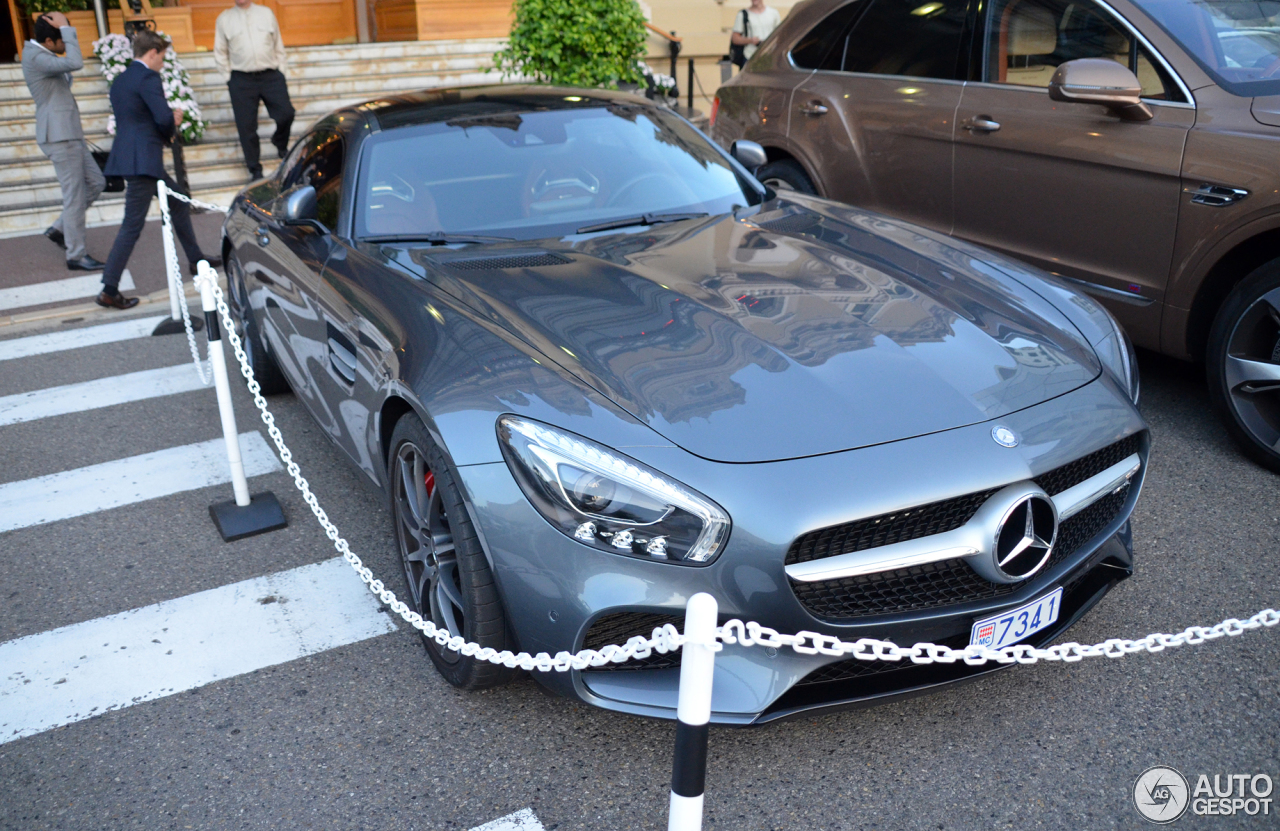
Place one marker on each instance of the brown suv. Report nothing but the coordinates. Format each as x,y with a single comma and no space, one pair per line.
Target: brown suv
1132,148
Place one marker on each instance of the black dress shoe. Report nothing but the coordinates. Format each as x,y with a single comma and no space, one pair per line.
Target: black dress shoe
255,174
85,263
282,149
214,262
115,301
55,236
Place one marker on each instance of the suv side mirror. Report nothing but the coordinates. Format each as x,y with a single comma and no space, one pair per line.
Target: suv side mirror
748,153
1100,81
302,208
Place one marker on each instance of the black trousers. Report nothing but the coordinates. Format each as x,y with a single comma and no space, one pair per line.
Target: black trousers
247,89
139,190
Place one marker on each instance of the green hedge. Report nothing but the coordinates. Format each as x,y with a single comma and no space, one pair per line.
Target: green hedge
580,43
39,6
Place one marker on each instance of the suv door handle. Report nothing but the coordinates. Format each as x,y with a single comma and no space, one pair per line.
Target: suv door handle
981,124
813,108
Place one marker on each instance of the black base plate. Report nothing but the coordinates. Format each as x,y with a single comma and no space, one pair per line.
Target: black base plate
262,514
169,326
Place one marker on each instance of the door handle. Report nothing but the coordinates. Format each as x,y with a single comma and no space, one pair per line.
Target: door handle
813,108
981,124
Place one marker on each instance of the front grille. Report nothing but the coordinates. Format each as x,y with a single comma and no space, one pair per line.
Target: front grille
618,628
1069,475
944,583
514,261
886,529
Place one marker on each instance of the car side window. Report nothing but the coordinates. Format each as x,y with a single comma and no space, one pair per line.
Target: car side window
1028,39
321,168
823,46
289,167
916,38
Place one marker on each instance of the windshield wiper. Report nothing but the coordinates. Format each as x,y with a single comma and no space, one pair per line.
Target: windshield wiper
643,219
435,238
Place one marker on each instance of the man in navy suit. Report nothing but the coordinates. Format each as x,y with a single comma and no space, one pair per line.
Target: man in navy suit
144,124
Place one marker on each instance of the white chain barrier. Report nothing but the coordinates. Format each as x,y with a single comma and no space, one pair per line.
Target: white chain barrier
177,296
666,638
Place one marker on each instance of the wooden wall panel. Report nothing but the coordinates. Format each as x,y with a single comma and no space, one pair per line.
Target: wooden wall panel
395,20
457,19
302,22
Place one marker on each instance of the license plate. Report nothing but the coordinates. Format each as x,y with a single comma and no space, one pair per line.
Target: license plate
1017,624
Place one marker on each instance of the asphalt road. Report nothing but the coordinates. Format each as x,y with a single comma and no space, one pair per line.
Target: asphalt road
367,735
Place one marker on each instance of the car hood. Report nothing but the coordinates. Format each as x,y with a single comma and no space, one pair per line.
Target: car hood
804,329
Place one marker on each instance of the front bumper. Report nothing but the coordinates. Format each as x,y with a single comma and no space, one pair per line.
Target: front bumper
555,589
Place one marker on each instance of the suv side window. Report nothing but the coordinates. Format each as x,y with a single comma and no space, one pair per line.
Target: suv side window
823,46
318,163
916,38
1028,39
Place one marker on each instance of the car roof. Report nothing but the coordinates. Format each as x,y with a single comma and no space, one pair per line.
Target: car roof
433,105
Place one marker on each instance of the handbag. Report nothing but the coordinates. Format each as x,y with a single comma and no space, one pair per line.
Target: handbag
115,184
738,51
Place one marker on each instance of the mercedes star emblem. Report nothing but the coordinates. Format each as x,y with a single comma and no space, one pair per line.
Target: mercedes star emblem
1025,538
1004,436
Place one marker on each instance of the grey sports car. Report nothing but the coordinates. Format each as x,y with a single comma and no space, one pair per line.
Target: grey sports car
597,367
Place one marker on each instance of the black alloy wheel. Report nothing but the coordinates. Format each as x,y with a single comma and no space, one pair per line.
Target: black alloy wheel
784,175
447,574
1243,364
265,369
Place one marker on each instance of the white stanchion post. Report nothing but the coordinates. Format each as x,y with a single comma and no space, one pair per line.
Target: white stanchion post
693,713
245,516
206,279
170,255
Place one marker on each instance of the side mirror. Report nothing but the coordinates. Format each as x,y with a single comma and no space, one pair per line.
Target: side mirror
302,208
1100,81
748,153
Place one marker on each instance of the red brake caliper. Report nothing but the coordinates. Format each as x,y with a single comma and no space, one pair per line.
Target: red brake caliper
431,483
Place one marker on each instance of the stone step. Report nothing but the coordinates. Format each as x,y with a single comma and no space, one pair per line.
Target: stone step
212,149
345,81
303,56
108,210
308,108
199,175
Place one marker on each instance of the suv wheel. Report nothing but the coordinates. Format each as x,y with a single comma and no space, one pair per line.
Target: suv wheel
1243,364
786,174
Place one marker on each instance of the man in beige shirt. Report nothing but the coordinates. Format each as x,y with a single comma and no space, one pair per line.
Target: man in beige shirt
248,49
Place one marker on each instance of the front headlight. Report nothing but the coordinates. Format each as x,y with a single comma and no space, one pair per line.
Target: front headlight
1117,354
608,501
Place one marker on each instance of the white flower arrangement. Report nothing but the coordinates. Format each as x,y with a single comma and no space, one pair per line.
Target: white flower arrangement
116,53
658,84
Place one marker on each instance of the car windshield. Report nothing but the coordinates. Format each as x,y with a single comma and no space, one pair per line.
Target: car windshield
1237,42
543,173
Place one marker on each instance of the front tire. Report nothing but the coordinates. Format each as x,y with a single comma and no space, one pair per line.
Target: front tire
1243,364
446,572
784,175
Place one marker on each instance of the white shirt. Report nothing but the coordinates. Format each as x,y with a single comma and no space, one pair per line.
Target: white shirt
247,40
762,25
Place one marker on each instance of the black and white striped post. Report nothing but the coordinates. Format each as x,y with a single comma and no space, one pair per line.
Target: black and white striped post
243,516
693,713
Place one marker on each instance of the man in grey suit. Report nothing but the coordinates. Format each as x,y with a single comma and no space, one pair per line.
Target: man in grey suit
47,63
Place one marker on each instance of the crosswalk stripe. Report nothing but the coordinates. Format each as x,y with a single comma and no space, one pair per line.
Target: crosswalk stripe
98,487
56,291
525,820
80,671
103,392
77,338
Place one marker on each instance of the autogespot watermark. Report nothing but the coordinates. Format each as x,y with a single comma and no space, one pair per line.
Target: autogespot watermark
1162,794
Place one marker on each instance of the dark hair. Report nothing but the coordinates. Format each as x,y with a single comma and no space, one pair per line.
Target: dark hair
46,30
146,40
